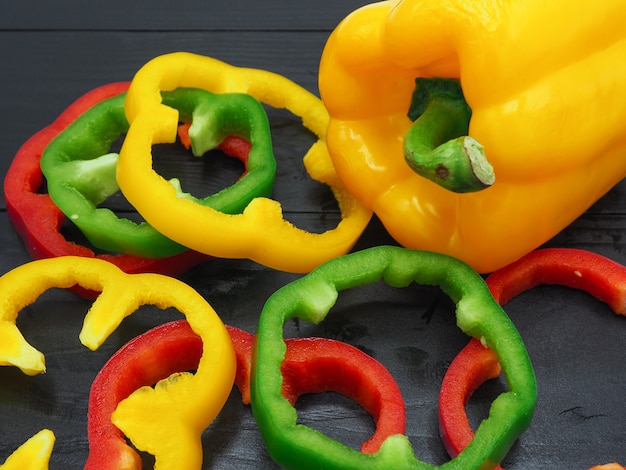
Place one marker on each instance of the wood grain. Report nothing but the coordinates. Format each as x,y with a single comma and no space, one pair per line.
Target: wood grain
53,52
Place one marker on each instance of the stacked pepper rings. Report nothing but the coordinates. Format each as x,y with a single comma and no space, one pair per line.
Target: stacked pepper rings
81,172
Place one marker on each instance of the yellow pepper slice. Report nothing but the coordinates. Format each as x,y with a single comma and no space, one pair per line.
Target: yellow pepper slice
547,107
260,233
34,454
174,432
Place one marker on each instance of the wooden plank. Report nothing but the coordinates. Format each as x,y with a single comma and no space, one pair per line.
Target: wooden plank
163,15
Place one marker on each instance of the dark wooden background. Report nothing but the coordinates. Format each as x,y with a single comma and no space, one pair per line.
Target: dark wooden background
53,52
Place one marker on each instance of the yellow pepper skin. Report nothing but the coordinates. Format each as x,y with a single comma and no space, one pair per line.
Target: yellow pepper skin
34,454
545,84
179,408
260,233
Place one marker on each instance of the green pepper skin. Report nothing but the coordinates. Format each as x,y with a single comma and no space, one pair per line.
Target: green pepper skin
310,298
80,171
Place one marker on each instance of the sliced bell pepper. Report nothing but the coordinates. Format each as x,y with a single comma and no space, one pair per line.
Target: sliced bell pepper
181,407
546,110
80,173
39,221
595,274
311,365
579,269
34,454
146,359
314,365
310,298
260,233
472,367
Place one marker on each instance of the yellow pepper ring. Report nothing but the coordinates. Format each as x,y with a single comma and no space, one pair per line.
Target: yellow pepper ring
182,408
260,233
34,454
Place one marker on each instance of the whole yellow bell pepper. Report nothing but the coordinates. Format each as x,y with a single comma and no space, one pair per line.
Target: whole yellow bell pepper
544,83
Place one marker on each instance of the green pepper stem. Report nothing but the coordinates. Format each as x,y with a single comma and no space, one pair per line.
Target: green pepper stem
437,146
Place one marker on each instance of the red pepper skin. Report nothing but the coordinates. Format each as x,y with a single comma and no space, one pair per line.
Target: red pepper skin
474,365
146,359
597,275
38,220
314,365
320,364
311,365
579,269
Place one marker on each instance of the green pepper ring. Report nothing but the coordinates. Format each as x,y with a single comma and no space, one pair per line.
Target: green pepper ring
80,172
310,298
575,268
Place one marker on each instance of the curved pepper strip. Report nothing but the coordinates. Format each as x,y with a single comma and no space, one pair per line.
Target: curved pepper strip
519,81
38,220
260,233
181,408
314,365
312,296
579,269
173,347
34,454
80,173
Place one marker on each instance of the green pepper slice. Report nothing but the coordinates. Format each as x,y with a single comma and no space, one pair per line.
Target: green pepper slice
81,173
311,297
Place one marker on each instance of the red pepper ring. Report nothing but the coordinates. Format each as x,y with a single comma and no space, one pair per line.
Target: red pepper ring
319,364
39,221
311,366
473,366
579,269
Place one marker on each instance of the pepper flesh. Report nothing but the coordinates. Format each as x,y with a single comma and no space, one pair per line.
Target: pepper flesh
473,366
312,365
579,269
260,233
519,80
311,297
181,408
39,221
80,173
34,454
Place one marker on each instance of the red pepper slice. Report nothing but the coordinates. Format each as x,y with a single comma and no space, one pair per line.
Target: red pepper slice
579,269
39,221
312,365
144,360
473,366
